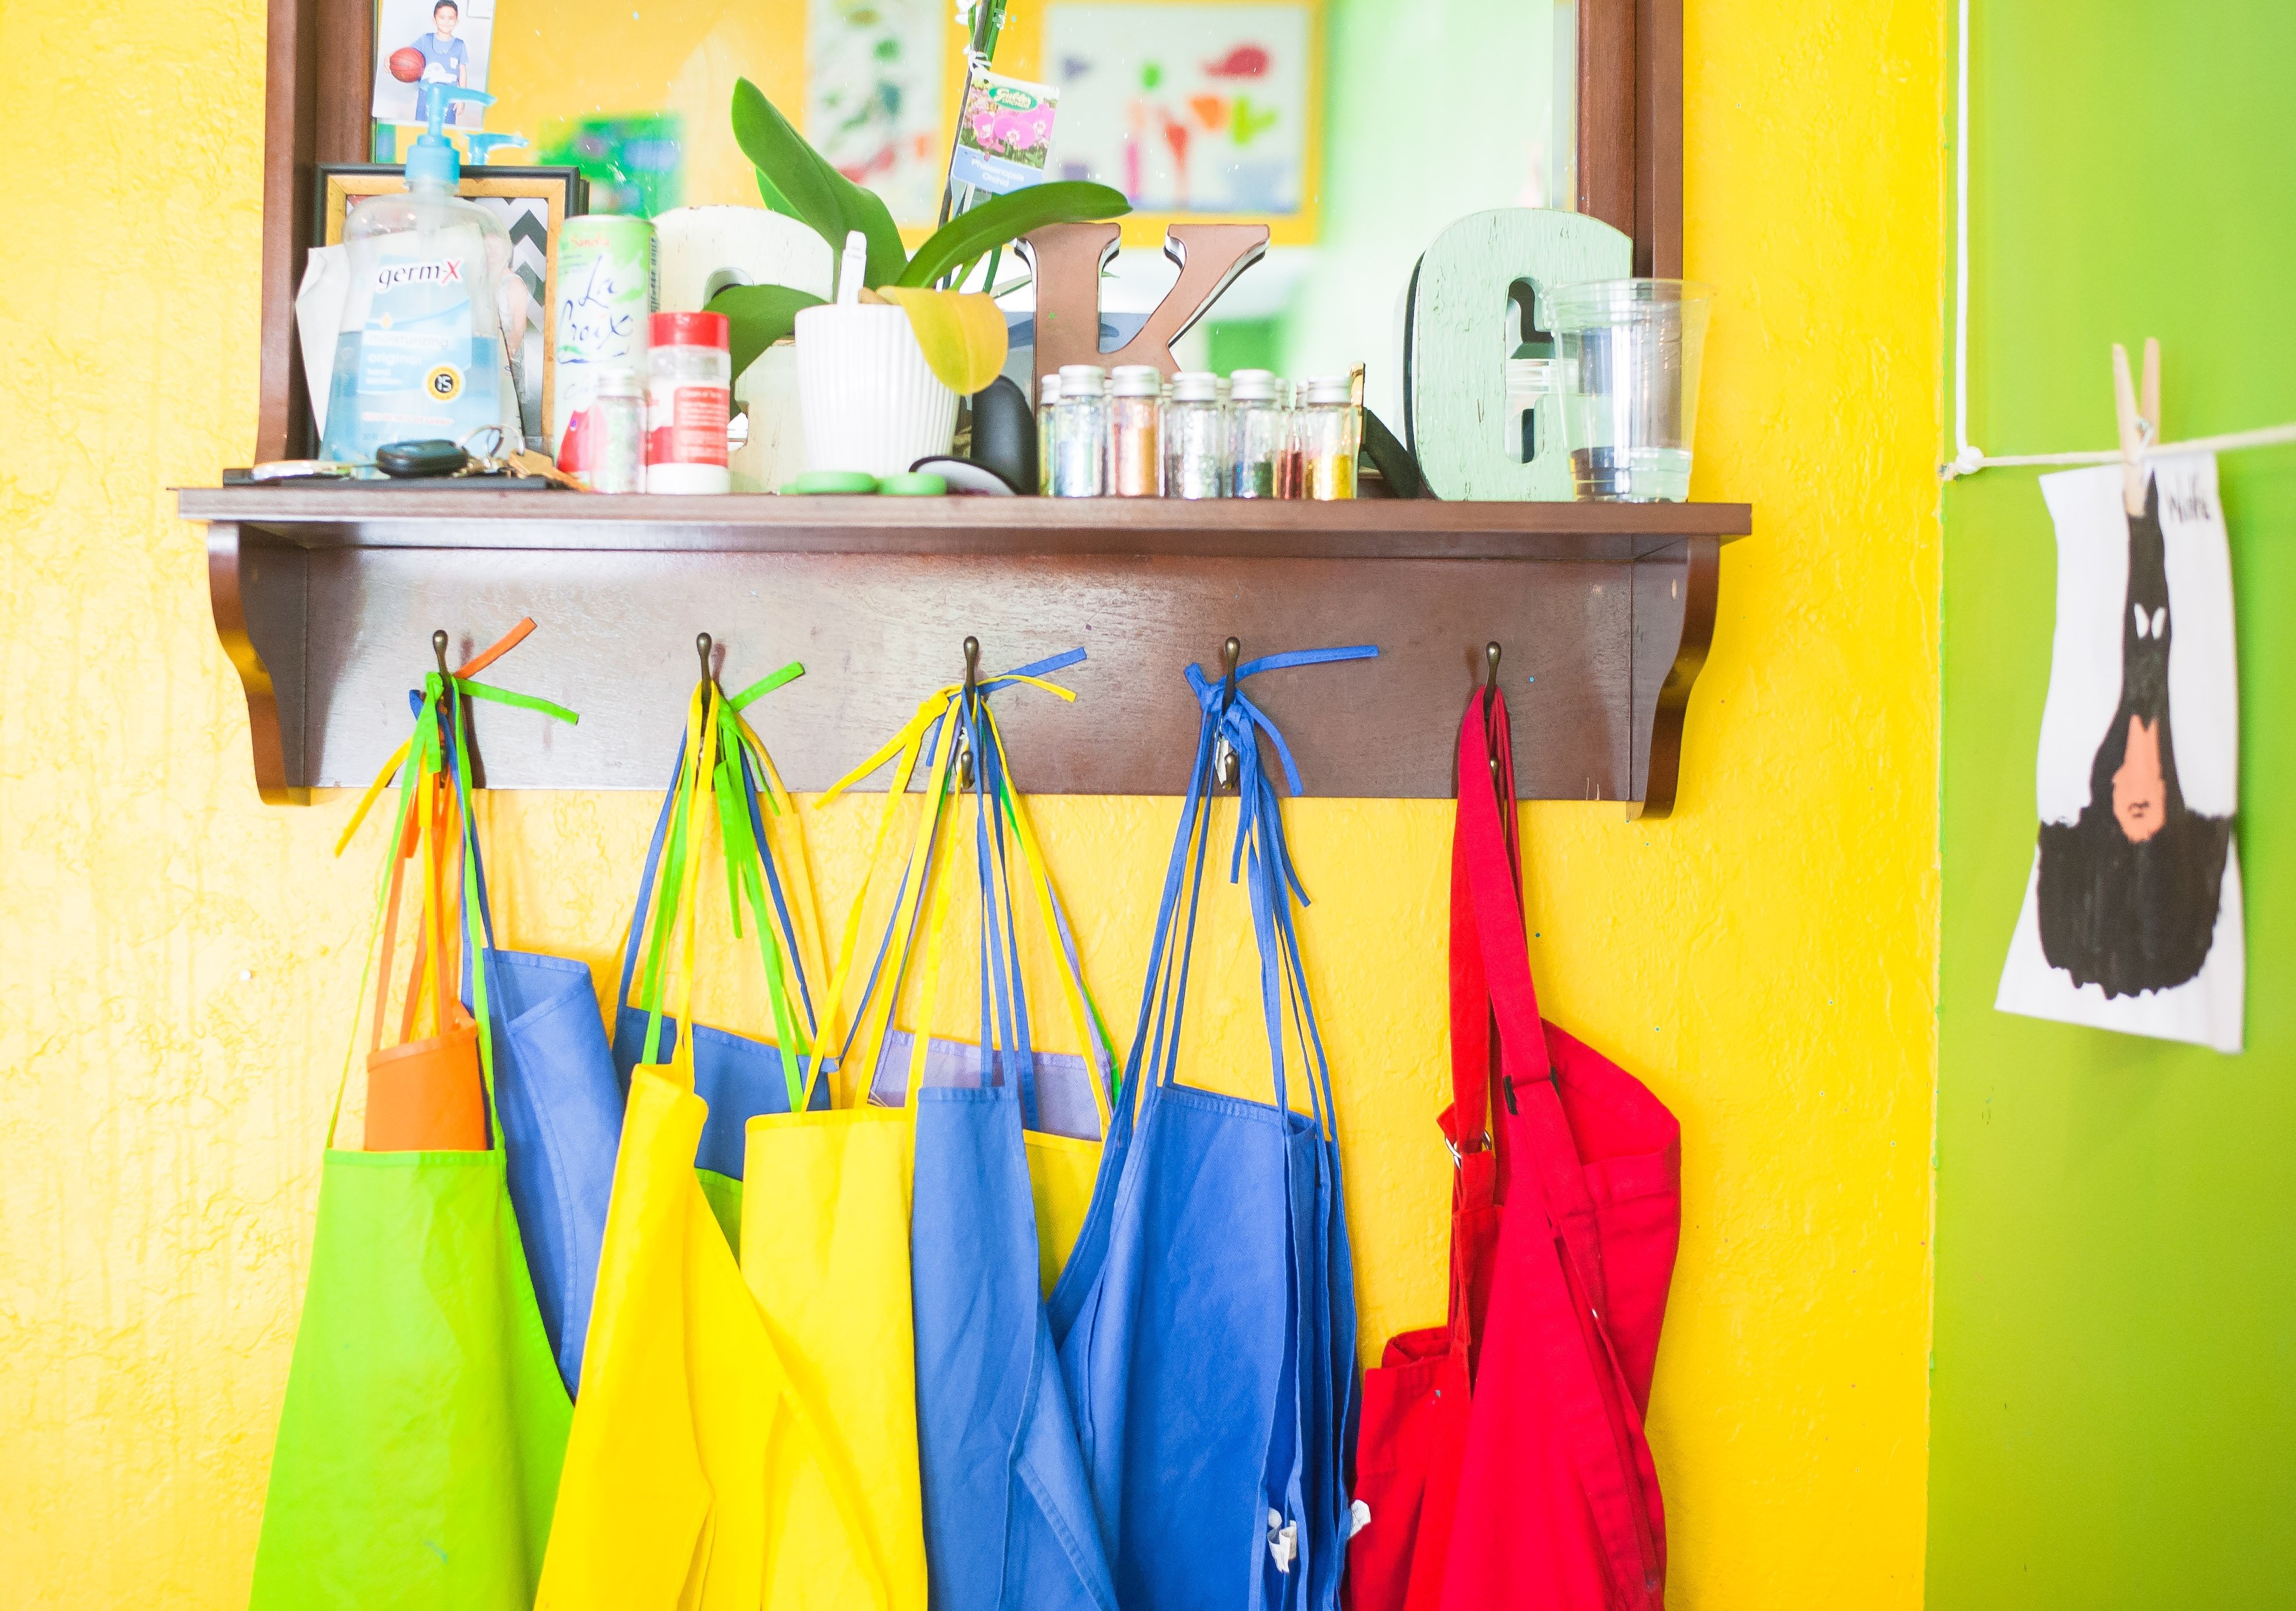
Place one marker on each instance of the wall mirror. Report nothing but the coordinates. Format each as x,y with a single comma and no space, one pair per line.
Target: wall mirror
1354,129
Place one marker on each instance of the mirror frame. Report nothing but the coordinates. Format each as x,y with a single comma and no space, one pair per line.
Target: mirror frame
319,59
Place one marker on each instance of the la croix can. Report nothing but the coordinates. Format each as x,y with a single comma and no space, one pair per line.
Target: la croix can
607,289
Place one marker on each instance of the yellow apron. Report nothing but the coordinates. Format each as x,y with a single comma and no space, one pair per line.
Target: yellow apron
686,1405
1062,1168
828,1195
826,1210
826,1199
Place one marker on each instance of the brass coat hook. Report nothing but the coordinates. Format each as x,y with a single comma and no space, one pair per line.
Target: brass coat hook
1227,766
702,648
1491,681
962,736
458,727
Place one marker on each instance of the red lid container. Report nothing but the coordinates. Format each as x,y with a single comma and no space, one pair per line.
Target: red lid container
692,330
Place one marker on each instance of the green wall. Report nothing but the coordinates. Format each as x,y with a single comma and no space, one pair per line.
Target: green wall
2113,1417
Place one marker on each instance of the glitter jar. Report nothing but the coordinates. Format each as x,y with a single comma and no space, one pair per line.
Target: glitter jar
1080,433
1195,438
1048,397
1327,434
1135,454
617,430
1258,432
1291,479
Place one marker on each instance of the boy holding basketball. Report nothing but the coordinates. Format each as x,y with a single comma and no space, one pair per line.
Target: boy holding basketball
444,58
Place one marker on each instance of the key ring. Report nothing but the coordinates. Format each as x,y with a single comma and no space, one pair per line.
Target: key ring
486,461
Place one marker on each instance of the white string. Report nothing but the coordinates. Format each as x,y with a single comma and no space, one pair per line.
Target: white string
1967,459
2271,436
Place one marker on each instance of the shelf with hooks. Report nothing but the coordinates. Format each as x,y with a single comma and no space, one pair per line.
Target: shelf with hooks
325,598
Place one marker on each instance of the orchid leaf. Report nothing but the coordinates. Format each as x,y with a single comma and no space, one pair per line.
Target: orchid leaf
758,315
789,180
797,181
974,233
963,334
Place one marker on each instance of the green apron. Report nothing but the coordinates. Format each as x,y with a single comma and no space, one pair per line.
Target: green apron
425,1422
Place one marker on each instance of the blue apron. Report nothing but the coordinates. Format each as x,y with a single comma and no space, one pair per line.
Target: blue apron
1008,1513
562,1117
1206,1320
560,1112
738,1077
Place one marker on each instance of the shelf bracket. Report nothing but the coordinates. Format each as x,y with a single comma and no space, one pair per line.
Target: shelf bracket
257,594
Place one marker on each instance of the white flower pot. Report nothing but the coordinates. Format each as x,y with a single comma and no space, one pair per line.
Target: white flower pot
868,399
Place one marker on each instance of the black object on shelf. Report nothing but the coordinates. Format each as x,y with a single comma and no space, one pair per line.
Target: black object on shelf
1004,433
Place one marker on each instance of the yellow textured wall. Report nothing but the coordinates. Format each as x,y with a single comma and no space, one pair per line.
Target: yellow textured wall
177,961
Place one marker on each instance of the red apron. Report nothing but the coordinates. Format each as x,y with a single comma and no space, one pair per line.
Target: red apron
1535,1490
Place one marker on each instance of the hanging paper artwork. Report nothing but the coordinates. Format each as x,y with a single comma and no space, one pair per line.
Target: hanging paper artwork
2132,917
873,96
1185,108
420,42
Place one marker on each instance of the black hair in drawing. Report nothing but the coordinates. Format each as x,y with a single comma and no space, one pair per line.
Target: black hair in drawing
2129,891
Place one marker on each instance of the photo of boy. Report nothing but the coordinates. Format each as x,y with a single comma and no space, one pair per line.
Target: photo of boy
445,59
449,37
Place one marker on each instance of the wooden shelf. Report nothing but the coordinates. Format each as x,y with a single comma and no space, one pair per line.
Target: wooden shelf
325,598
1374,528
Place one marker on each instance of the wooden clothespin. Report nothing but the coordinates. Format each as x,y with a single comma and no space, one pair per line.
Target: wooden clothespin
2139,423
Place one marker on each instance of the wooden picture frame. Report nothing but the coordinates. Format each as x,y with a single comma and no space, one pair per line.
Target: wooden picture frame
563,190
319,79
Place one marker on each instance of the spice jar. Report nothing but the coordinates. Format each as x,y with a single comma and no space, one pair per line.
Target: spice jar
1135,454
1080,433
1327,433
616,429
689,400
1258,433
1048,397
1290,482
1195,438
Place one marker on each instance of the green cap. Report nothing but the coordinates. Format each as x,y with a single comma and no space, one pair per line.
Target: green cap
827,483
914,484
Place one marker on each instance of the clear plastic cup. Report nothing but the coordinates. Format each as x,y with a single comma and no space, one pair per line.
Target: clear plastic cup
1629,352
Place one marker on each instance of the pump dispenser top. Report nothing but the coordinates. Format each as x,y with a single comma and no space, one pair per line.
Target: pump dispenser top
433,163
